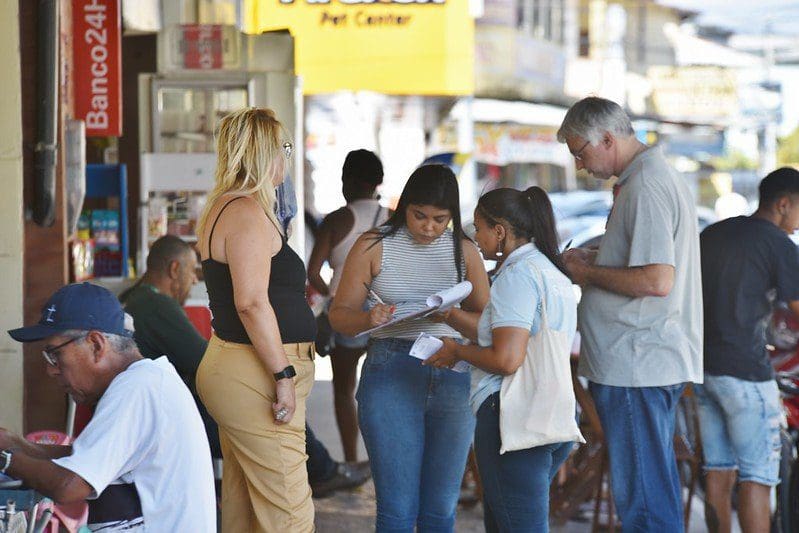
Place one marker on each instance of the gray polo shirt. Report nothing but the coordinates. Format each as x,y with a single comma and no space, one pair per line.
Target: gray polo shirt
649,341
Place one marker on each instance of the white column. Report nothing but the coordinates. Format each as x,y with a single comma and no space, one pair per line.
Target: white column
767,147
468,174
13,235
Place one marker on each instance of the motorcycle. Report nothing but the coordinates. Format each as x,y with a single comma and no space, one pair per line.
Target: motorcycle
784,354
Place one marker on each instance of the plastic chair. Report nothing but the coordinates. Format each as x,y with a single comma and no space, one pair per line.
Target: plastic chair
70,516
48,437
83,414
200,317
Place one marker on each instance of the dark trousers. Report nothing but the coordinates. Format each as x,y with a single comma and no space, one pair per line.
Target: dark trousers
515,484
320,465
211,429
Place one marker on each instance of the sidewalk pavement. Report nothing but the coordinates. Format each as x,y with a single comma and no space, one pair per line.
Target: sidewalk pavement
354,511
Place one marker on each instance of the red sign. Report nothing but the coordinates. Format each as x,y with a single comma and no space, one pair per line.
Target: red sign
96,58
201,46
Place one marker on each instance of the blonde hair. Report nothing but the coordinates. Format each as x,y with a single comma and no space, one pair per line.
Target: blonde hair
249,148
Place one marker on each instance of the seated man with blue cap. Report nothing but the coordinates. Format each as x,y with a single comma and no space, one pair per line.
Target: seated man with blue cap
143,460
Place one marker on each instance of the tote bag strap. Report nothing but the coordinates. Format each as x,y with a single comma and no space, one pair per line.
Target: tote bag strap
539,277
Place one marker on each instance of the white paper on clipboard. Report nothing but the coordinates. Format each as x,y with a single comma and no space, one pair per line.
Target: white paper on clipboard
440,301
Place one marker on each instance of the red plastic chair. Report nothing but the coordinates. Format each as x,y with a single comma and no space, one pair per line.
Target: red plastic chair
200,317
48,437
70,516
83,414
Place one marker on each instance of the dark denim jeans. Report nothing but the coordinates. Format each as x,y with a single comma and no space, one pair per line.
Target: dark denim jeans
417,427
639,431
320,465
515,484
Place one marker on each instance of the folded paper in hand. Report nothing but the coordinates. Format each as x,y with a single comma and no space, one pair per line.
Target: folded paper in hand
440,301
426,345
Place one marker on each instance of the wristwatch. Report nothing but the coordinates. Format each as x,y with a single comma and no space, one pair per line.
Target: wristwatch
5,460
287,372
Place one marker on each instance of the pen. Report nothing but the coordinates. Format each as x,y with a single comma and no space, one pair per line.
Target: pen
373,294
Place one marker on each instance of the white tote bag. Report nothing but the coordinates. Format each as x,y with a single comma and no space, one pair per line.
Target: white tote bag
537,404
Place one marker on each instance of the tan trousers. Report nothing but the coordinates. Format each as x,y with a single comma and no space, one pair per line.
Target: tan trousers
264,482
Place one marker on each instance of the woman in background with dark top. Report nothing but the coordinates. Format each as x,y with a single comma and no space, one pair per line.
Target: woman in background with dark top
415,420
361,174
264,332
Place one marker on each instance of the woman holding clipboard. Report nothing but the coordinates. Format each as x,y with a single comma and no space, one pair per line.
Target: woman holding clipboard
415,420
521,385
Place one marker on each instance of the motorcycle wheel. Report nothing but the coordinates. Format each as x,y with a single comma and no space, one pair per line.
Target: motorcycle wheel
786,515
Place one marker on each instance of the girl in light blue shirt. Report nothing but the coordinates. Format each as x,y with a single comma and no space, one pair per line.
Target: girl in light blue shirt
526,328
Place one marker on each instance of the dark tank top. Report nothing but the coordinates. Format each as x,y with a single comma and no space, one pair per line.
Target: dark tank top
286,294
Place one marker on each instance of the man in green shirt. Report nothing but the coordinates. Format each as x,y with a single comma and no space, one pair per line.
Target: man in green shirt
161,325
156,304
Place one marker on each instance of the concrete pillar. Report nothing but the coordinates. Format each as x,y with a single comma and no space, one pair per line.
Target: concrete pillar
12,236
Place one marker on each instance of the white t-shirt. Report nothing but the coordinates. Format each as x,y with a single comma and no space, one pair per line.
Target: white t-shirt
146,432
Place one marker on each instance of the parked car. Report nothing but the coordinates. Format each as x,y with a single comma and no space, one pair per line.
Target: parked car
590,236
580,214
581,217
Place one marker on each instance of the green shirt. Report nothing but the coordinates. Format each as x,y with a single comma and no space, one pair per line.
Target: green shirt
162,328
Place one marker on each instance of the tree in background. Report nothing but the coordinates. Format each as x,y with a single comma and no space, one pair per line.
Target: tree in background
788,150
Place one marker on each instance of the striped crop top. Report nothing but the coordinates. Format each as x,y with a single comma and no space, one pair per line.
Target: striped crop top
409,273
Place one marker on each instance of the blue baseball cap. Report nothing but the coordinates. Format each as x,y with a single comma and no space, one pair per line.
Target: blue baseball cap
80,306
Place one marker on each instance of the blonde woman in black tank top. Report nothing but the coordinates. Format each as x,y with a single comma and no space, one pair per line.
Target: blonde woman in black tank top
258,368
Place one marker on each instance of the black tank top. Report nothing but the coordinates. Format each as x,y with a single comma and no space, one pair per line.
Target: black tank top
286,294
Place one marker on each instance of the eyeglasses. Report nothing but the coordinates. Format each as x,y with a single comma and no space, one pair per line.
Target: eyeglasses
577,155
51,355
288,148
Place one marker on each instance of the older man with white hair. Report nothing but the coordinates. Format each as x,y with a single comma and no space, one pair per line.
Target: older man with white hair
143,460
640,316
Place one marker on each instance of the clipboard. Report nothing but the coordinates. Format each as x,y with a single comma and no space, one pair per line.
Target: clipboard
440,301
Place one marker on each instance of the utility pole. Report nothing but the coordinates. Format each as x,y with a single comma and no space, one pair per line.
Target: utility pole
767,134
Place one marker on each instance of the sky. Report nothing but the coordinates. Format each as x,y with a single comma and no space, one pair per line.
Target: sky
745,16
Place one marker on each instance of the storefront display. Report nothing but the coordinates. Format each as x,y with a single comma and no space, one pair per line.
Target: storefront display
205,72
100,246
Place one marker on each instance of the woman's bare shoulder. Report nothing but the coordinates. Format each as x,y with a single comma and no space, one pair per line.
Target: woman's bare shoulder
470,250
245,217
243,206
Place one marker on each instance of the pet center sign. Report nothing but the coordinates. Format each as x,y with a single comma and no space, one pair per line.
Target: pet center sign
422,47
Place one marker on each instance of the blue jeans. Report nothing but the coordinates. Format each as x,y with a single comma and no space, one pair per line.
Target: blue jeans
417,426
740,423
515,484
639,431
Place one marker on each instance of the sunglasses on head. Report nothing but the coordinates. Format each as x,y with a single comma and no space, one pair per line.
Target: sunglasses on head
288,149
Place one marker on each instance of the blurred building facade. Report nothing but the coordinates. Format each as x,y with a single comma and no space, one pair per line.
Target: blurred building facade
482,84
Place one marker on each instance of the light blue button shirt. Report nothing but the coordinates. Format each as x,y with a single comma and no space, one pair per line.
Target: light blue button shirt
515,301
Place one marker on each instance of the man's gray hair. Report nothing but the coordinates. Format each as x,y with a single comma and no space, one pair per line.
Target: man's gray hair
591,117
121,345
